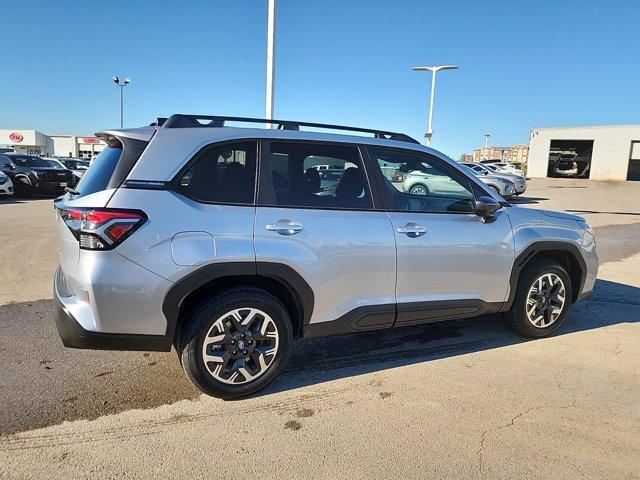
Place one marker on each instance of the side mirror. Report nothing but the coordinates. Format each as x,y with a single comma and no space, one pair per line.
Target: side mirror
485,173
8,165
486,207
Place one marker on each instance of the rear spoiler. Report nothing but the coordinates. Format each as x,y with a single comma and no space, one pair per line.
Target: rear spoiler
133,142
145,134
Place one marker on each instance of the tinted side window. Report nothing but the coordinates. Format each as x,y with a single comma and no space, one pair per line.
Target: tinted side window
425,185
222,173
314,175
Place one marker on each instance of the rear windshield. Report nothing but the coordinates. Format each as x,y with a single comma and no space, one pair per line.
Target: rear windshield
30,162
97,177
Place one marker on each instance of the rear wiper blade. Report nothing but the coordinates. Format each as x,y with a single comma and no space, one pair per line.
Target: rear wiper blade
71,191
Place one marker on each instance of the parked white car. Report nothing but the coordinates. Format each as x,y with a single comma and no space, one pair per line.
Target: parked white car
6,185
425,183
418,182
504,167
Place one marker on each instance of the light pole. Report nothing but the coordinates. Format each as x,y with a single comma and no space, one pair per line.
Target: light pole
433,70
271,58
486,146
126,82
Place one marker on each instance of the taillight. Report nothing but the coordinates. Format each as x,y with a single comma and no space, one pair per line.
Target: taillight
101,228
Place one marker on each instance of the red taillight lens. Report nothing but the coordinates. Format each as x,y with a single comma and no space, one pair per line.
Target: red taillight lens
101,229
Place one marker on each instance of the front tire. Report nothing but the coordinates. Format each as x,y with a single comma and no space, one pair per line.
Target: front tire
236,343
542,299
496,189
419,189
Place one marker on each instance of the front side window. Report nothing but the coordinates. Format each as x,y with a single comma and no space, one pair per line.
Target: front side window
425,185
222,174
316,176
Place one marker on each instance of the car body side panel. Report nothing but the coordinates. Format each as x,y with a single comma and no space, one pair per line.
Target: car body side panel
347,257
171,214
458,258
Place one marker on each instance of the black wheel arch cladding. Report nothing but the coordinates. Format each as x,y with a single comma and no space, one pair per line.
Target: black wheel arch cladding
251,273
565,253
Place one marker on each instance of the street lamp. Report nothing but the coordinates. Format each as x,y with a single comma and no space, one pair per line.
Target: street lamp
486,146
126,82
433,70
271,58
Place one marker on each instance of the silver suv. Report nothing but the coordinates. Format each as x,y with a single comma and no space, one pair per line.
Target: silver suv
223,242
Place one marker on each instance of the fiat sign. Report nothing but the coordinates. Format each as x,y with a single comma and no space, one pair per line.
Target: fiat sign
16,137
90,140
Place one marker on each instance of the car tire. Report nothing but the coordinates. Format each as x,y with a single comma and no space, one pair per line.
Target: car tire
530,301
419,187
22,188
231,374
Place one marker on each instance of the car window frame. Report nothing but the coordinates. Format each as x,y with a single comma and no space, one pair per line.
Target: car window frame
174,184
459,175
370,183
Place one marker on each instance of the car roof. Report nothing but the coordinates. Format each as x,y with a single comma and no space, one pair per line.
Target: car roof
161,160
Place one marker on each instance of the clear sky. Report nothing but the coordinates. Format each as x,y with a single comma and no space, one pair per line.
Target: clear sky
522,64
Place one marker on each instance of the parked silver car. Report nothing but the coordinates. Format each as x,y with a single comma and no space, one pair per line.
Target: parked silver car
222,242
483,170
6,185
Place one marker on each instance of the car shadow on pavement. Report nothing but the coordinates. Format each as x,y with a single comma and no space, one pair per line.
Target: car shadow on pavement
11,200
527,200
45,384
606,213
325,359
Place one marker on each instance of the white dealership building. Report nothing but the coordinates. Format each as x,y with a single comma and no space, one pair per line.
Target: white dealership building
38,143
602,152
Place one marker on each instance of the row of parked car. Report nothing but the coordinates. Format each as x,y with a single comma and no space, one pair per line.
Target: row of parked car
504,178
33,175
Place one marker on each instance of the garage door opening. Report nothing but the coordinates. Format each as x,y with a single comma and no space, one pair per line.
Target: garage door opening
570,158
633,173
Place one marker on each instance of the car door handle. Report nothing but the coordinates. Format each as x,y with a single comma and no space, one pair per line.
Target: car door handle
285,227
412,230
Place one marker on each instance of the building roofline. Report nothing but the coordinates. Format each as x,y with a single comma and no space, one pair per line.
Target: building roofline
629,125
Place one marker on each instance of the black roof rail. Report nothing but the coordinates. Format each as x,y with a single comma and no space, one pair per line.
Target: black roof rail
179,120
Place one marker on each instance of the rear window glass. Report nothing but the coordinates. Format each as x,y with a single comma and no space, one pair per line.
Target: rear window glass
98,176
222,174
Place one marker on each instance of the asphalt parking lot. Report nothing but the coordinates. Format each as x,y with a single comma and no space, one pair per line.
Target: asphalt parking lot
462,399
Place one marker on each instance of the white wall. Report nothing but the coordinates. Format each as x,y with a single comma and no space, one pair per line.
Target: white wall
611,146
63,144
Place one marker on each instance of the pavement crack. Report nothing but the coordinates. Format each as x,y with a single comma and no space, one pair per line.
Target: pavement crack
509,424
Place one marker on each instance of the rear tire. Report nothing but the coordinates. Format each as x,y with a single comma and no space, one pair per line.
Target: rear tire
542,299
227,359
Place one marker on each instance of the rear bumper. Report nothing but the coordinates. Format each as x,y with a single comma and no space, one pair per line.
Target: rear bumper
73,335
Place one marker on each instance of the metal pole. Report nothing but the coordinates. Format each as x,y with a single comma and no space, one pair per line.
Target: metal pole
271,57
121,106
431,100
